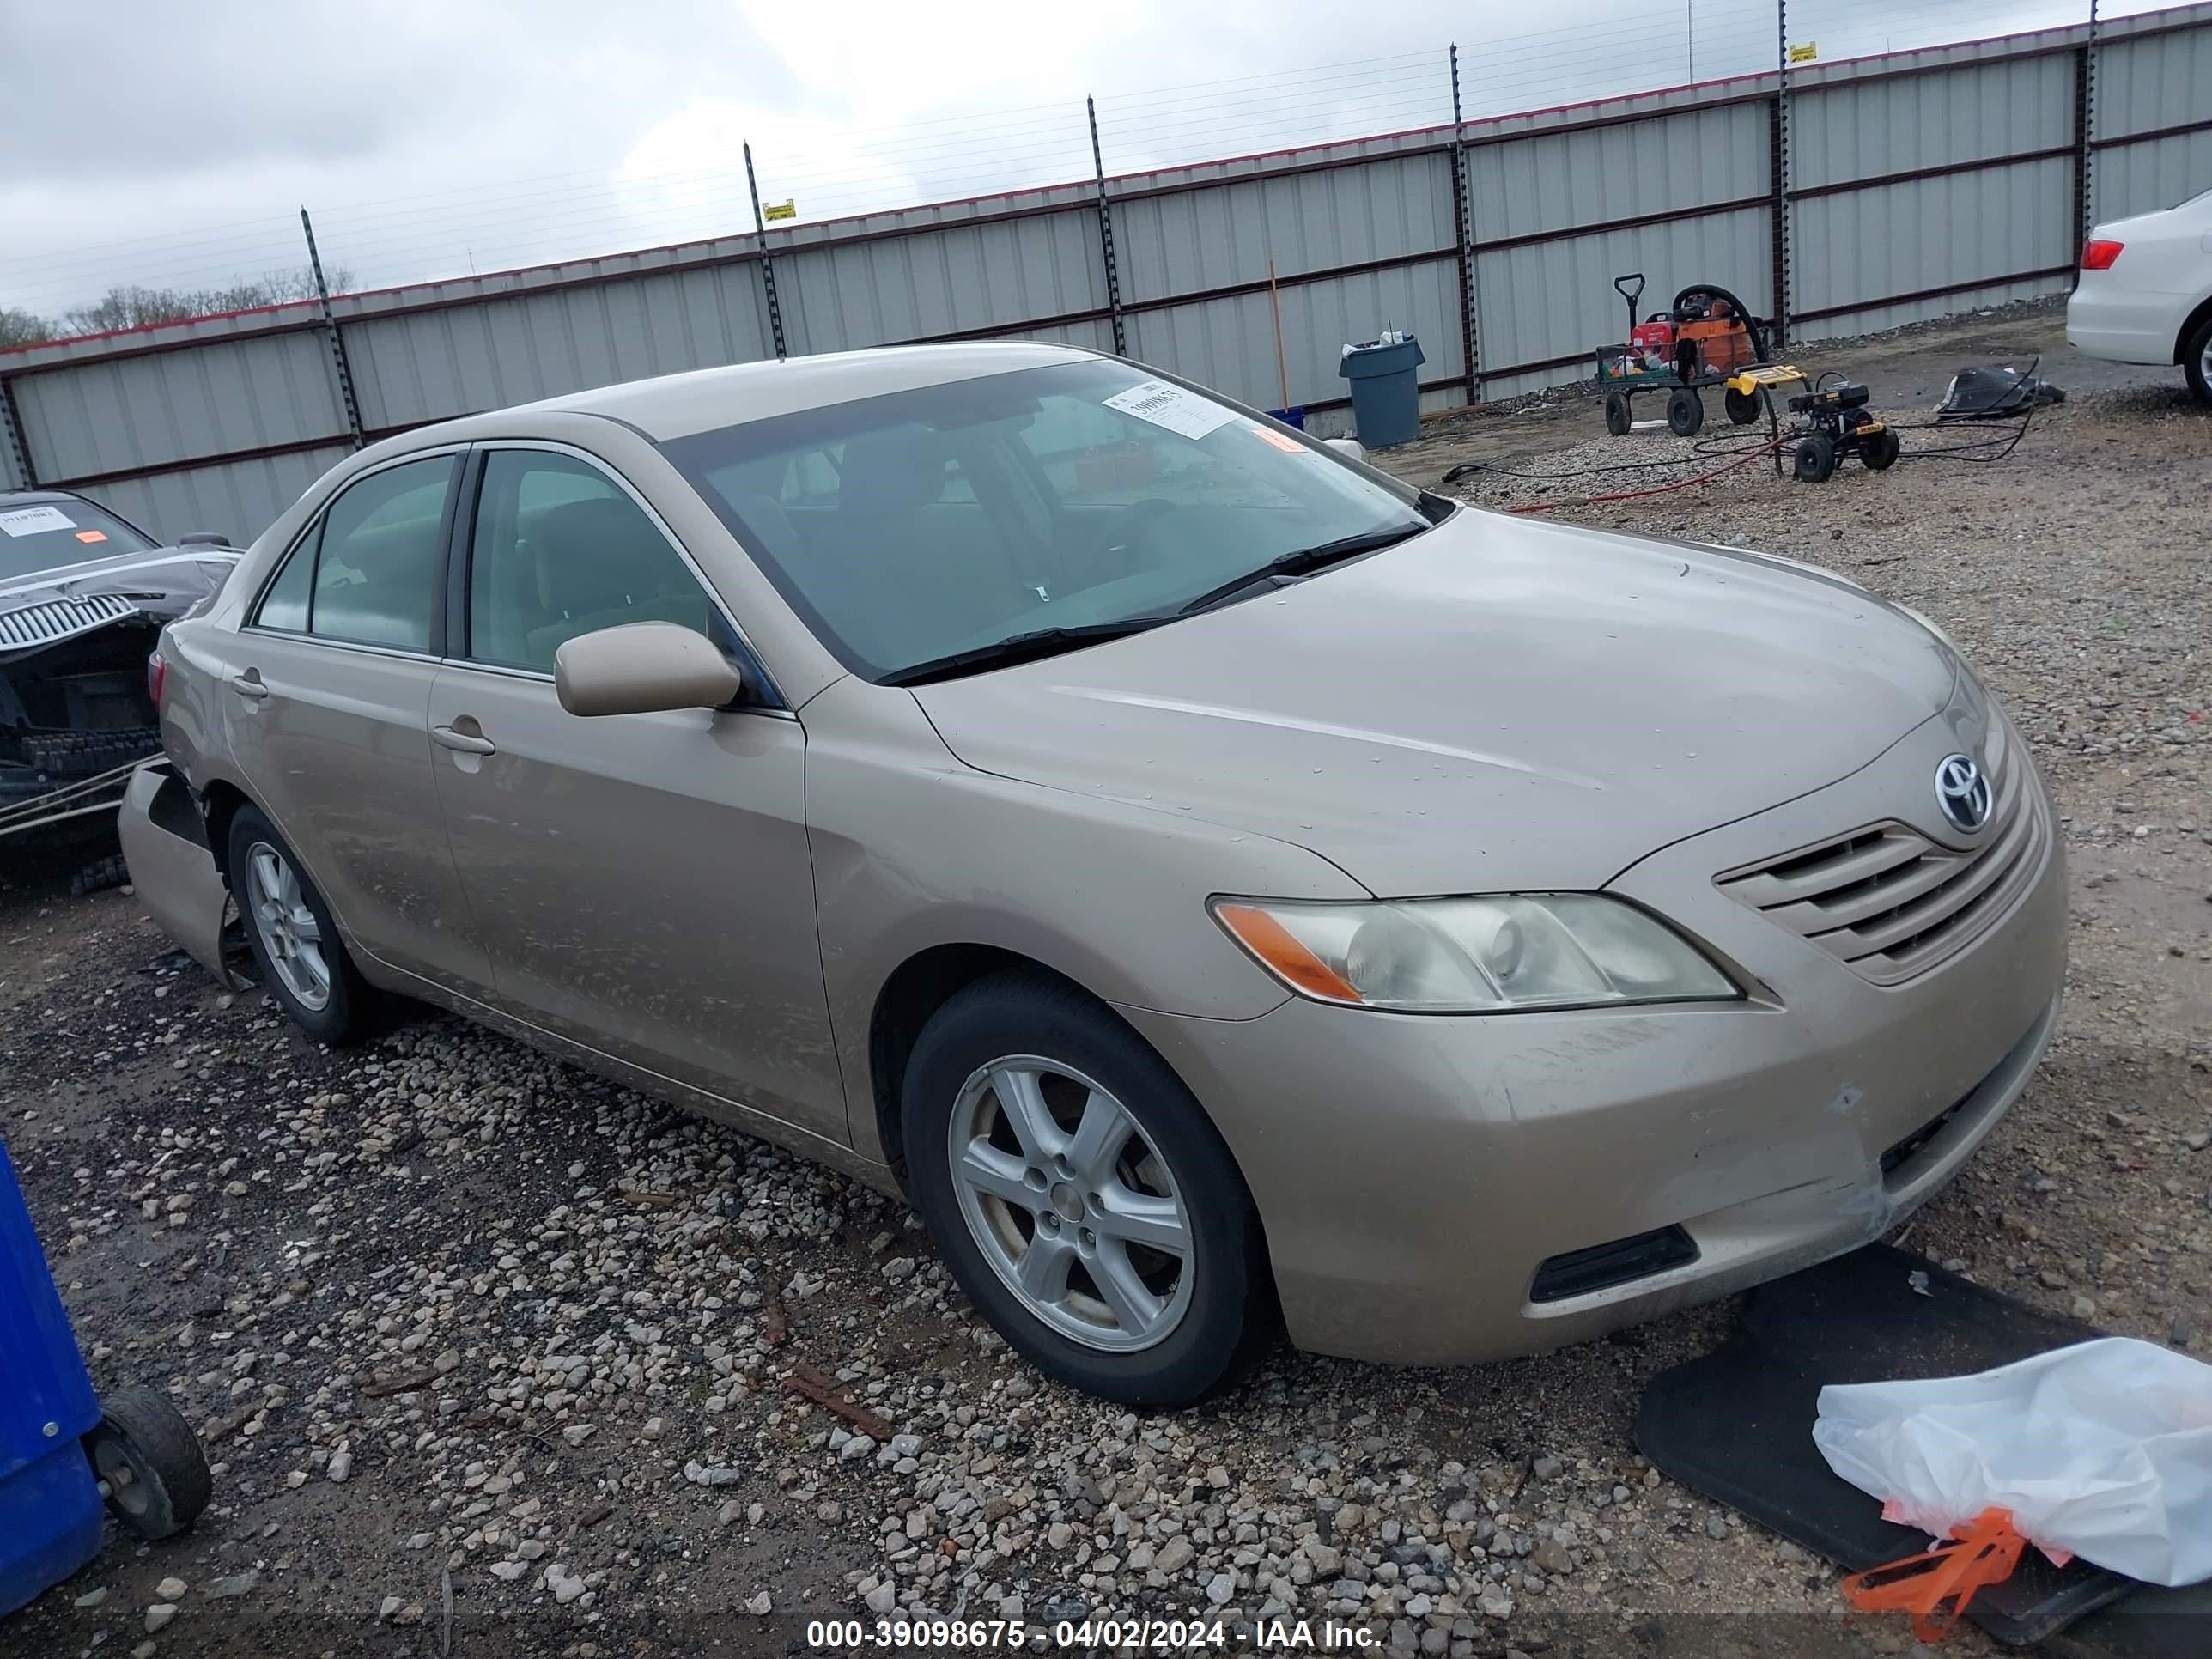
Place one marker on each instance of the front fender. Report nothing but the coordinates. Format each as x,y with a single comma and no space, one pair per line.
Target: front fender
172,867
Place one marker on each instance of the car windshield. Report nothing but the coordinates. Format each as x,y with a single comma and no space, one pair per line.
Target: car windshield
42,535
922,525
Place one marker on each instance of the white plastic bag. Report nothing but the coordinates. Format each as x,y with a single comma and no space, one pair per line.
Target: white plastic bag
2104,1449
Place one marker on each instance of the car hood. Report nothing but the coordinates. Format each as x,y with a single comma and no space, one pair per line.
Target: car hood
158,585
1495,705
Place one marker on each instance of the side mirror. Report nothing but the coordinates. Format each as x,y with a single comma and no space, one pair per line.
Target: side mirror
1351,447
640,668
203,538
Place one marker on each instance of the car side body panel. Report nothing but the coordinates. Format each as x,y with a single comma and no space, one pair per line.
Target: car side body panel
913,851
2136,311
642,885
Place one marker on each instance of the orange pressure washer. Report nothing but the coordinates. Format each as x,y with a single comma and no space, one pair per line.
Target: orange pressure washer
1701,339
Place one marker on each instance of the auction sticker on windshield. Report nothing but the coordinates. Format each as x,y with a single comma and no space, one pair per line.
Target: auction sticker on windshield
33,520
1170,406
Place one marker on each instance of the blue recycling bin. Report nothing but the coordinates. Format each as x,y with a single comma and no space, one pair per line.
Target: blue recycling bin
50,1503
1386,390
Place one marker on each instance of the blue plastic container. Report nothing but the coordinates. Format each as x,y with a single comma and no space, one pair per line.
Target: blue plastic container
49,1507
1294,415
1386,390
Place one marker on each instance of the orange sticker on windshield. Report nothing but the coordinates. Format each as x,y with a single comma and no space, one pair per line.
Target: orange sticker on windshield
92,535
1280,440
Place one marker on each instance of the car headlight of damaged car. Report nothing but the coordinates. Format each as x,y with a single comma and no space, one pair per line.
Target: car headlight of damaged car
1486,955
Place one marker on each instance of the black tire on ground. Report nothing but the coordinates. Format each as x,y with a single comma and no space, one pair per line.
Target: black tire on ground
1685,412
1616,413
1229,1316
348,1015
2196,360
1743,407
1880,452
1816,459
156,1470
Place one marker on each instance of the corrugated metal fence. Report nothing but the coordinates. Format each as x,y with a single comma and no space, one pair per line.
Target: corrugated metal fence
1870,193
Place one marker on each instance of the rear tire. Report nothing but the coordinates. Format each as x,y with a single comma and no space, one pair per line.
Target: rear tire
1685,412
297,948
1023,1101
2197,362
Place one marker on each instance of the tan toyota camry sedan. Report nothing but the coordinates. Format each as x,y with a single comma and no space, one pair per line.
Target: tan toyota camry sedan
1224,888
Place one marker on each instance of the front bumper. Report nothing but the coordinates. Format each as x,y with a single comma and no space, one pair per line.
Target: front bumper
1415,1175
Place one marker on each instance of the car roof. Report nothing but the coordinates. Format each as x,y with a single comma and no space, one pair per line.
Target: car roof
676,405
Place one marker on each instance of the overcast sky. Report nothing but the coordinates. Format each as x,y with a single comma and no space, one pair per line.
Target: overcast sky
173,144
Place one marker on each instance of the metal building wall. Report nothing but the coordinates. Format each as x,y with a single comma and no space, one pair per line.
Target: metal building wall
433,364
1683,197
237,499
1365,242
1954,186
932,283
1919,183
2160,85
103,416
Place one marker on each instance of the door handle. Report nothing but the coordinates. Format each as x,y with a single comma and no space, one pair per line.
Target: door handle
466,743
249,684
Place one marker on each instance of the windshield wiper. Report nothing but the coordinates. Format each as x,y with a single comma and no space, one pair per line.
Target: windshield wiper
1305,559
1020,648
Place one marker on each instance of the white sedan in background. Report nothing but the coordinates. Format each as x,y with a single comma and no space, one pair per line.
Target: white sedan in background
2145,293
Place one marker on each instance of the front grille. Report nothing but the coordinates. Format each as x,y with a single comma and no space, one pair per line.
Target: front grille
1889,901
57,619
1601,1266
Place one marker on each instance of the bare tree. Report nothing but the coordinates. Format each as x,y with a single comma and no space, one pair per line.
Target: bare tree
134,306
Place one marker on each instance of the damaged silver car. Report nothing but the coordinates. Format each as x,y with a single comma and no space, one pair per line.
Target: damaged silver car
83,594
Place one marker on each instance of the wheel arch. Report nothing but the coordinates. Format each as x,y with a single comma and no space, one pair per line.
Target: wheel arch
220,800
910,995
2195,320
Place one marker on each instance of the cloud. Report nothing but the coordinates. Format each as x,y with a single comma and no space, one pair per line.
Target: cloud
434,137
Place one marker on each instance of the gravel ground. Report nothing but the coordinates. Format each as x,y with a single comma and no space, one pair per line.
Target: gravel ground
493,1358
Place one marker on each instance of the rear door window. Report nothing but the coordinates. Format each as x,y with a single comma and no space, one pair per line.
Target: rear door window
367,573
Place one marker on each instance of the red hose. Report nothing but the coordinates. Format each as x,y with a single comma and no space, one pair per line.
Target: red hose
1660,489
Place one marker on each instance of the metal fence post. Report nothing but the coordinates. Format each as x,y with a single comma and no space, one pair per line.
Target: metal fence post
2084,129
1463,223
1777,118
11,428
1106,233
346,398
768,262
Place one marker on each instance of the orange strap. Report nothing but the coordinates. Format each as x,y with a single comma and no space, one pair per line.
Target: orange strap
1935,1586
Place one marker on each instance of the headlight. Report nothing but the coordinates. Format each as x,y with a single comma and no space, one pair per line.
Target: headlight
1474,955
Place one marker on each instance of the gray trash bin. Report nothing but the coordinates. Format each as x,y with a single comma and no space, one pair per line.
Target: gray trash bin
1386,390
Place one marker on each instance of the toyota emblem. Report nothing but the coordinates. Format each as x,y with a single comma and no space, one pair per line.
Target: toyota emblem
1962,790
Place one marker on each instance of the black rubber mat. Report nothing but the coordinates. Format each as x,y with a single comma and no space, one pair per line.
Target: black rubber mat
1737,1426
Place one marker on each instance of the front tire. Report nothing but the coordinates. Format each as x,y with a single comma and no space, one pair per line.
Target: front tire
1080,1196
296,944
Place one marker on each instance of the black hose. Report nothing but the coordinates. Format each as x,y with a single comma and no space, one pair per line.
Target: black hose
1752,326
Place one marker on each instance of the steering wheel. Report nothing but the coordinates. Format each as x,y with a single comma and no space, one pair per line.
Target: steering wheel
1130,526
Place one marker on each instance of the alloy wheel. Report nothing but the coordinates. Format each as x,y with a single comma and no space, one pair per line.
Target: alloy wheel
290,933
1070,1203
